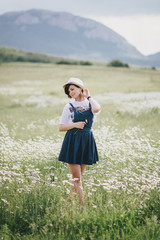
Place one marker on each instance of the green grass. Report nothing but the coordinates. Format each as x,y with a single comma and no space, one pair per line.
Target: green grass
121,192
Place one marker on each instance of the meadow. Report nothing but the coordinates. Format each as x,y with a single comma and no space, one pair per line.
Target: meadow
122,191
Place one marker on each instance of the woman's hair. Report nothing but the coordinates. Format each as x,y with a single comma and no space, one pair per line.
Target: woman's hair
66,89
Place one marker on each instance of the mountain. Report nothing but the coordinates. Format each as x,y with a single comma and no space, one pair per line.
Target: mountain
64,34
155,59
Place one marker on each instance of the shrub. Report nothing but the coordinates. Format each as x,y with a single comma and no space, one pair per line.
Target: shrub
86,63
117,63
153,68
67,62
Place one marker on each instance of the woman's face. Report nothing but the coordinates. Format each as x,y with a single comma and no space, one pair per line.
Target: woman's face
74,91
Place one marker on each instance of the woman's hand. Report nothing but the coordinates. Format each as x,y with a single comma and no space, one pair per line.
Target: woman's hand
79,125
94,105
86,93
66,127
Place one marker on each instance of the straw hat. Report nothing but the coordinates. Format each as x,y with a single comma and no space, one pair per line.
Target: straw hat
75,81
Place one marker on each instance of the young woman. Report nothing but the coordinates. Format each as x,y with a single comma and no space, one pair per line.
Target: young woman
79,147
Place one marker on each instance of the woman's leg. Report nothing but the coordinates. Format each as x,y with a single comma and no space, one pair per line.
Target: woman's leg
75,170
82,168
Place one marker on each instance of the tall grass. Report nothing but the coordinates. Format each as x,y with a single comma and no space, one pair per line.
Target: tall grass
122,192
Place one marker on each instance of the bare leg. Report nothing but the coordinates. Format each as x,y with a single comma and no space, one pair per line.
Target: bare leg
82,168
75,170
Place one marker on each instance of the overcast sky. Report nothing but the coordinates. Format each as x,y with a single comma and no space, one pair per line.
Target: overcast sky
136,20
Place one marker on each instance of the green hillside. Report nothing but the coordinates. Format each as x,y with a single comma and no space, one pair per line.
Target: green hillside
16,55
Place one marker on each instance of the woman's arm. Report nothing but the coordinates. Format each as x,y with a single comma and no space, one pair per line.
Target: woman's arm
66,127
94,105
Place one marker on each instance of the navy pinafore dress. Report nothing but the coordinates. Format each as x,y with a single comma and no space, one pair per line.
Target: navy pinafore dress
79,146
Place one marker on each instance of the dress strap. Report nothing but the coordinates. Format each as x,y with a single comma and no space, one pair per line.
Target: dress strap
72,106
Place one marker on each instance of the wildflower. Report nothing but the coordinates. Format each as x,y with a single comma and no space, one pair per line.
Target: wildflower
94,206
89,194
5,201
94,190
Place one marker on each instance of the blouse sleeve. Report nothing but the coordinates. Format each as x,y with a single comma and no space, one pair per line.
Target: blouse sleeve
66,117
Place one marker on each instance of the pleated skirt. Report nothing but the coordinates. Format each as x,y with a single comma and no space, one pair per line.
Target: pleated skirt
79,147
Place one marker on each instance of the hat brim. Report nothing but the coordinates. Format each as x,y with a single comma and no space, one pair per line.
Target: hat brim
72,83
